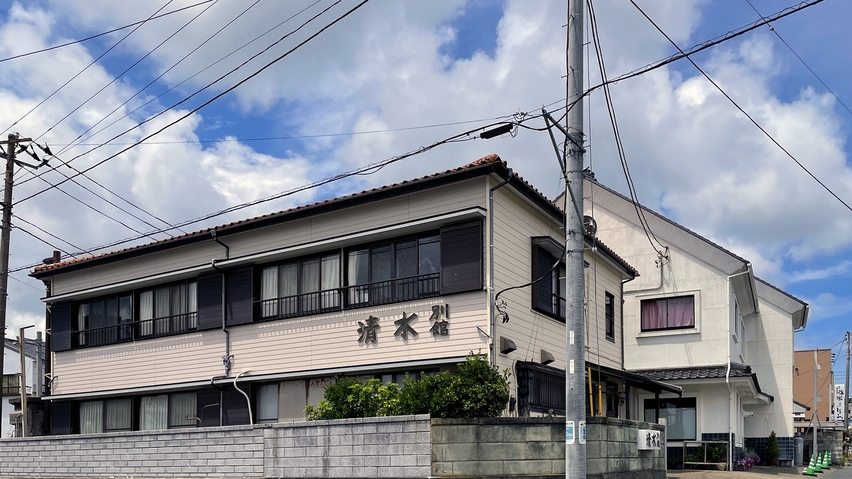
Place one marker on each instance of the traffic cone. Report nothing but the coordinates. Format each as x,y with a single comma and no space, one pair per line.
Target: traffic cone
810,470
826,460
818,464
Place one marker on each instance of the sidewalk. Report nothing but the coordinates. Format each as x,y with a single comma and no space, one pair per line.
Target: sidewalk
759,472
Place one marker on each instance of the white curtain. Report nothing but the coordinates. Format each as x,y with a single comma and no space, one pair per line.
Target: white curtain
269,290
154,413
288,288
330,280
161,310
192,304
91,417
146,313
118,414
182,407
82,316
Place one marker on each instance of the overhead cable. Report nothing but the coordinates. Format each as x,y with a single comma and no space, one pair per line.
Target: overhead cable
738,107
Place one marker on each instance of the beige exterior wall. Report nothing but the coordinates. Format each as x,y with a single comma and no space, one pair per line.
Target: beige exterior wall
516,224
363,218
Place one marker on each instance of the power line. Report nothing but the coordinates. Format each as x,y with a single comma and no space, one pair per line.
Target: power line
197,73
773,30
161,75
49,234
118,77
771,138
364,170
228,90
640,213
21,55
83,70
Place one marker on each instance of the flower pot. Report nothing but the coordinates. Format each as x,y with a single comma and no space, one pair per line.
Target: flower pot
720,466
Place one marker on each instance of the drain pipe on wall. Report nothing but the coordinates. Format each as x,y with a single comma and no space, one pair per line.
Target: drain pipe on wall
248,401
228,357
491,319
728,372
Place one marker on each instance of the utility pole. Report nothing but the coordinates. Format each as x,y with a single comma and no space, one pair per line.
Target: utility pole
23,381
846,386
6,227
575,400
815,414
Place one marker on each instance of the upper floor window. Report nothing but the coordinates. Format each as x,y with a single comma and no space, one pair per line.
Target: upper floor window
104,320
300,287
548,277
170,309
609,308
394,271
668,313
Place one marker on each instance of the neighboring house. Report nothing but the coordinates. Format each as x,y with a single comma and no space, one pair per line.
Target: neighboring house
803,383
699,318
11,390
799,411
248,321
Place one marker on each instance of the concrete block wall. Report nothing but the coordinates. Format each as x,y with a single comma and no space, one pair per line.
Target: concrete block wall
611,450
370,447
220,451
535,446
498,446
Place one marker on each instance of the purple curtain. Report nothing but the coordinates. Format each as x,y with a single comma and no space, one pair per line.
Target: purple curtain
681,312
653,315
668,313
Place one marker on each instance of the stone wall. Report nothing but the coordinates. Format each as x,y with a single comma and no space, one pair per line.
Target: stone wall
536,447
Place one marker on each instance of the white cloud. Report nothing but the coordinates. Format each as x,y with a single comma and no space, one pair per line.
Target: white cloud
840,269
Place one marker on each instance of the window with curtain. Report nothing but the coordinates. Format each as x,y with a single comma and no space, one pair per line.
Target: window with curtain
154,413
118,414
267,403
91,417
168,309
400,270
300,286
104,320
668,313
182,410
680,415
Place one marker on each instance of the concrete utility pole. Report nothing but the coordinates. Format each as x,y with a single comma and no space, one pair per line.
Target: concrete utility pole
815,414
4,235
846,385
575,397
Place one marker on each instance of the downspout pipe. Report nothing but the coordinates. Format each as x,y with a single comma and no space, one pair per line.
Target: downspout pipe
228,357
728,371
491,320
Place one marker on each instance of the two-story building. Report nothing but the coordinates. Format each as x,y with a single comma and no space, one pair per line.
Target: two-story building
248,321
699,318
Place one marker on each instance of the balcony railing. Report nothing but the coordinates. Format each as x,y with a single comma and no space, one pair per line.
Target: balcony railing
349,297
131,331
540,390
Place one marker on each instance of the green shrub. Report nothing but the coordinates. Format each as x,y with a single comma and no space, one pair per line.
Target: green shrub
772,451
476,390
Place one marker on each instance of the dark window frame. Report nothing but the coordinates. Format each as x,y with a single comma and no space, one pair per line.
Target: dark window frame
609,315
668,318
681,403
548,282
303,303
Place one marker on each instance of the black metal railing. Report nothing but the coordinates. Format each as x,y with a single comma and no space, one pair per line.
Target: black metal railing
131,331
539,389
349,297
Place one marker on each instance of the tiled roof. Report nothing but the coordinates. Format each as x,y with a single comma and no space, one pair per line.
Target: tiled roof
703,372
699,372
485,164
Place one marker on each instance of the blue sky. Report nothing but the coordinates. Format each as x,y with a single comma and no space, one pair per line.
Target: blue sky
352,96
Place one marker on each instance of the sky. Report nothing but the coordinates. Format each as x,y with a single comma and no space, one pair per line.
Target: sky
243,100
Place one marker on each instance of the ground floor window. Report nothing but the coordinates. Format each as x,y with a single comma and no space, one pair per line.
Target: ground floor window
680,416
267,403
106,416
